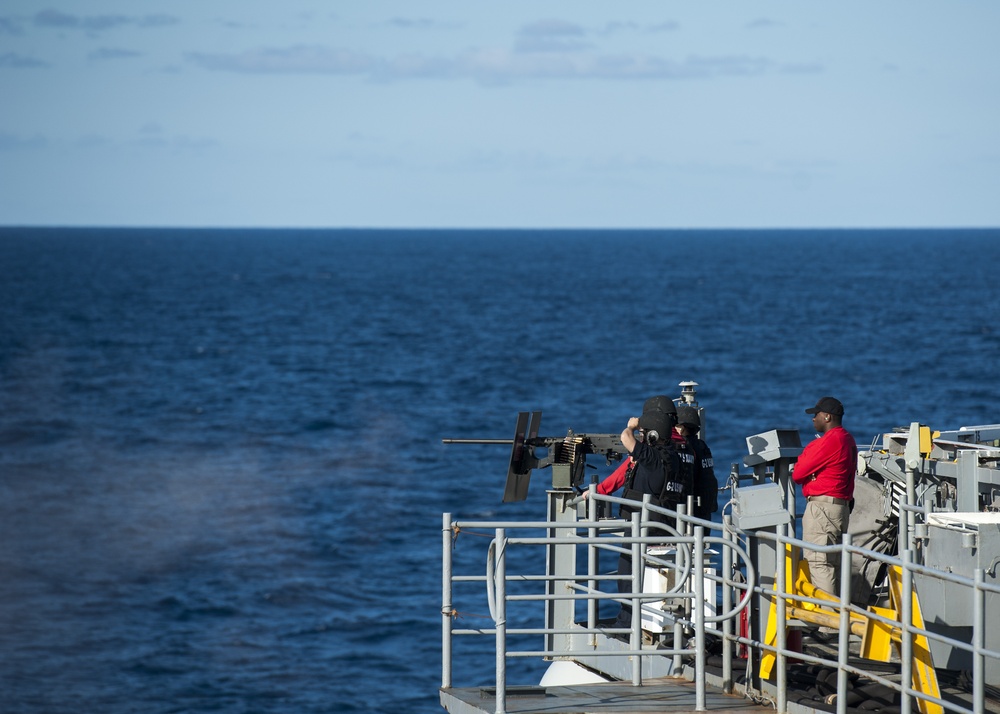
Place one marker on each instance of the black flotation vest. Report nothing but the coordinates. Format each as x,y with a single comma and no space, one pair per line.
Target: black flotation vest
678,475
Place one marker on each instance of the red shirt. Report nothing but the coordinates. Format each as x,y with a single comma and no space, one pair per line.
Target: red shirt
616,480
827,465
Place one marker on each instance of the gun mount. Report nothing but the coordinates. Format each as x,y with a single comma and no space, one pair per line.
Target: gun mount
567,455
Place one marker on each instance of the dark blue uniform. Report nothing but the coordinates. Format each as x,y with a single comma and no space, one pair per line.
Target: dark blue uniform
657,471
706,485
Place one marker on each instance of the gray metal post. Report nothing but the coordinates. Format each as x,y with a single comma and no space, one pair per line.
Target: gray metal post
845,624
685,529
777,449
500,583
979,642
781,622
727,605
763,560
968,481
783,477
635,639
446,606
910,518
561,564
699,617
912,458
593,604
906,646
678,627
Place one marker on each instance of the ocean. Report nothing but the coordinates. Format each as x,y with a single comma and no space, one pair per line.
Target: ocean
221,463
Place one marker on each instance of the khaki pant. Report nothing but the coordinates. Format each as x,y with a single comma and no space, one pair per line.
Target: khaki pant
824,524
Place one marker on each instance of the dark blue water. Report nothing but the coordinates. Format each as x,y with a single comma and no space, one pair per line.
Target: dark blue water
222,470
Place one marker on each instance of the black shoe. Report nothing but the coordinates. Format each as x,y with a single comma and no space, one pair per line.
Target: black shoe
623,621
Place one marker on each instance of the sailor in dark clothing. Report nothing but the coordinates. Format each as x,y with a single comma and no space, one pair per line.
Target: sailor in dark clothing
656,472
624,475
657,469
706,485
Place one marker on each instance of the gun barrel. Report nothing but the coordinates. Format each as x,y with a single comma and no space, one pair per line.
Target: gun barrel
477,441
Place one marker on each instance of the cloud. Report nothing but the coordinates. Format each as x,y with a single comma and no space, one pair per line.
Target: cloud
550,28
801,68
12,60
551,36
157,20
412,23
615,27
489,67
9,142
64,20
152,135
419,24
550,48
762,23
10,26
95,23
177,144
110,53
92,141
668,26
300,59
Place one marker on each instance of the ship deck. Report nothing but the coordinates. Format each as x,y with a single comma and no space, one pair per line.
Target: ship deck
807,693
666,694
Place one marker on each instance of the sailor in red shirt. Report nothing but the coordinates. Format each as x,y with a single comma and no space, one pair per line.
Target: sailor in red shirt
826,471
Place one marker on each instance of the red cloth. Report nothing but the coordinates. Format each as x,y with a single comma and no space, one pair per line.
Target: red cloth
616,480
827,465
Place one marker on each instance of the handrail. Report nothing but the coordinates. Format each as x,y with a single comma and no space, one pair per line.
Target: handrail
909,631
614,536
690,540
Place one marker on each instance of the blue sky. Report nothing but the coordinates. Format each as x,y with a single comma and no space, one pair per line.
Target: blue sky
570,114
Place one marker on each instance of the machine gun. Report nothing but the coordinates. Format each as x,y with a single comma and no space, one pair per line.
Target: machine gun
567,455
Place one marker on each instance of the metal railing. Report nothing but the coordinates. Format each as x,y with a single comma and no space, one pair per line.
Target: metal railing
781,595
690,624
565,589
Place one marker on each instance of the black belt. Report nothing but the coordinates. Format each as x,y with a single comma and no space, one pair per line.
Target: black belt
828,499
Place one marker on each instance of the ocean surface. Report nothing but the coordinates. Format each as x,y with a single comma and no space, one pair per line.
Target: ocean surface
221,462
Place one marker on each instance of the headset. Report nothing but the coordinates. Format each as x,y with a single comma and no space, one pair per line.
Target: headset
657,425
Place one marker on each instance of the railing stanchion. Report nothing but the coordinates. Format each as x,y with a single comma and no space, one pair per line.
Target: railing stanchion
593,606
698,607
781,618
727,604
906,622
446,609
979,643
678,627
500,583
635,638
845,623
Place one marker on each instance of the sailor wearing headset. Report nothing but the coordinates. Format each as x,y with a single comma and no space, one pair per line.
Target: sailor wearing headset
655,468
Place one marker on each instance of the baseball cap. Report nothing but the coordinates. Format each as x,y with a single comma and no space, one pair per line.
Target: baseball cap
828,405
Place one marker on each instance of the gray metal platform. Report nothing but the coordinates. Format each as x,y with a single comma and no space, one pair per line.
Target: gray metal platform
665,694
